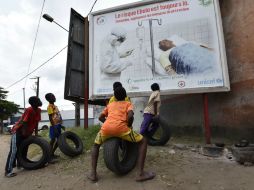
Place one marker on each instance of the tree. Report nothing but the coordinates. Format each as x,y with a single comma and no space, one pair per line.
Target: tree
7,108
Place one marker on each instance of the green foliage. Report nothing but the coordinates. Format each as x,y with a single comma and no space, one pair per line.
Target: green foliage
6,108
3,94
86,135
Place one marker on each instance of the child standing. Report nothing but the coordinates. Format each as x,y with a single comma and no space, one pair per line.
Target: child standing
55,121
151,111
27,124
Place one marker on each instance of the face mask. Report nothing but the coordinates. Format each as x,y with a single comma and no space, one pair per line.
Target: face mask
121,39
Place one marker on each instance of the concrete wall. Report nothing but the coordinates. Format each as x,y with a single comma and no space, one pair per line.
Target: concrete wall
231,113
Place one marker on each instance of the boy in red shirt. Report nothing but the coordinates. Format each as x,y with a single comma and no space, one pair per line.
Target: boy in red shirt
117,119
27,124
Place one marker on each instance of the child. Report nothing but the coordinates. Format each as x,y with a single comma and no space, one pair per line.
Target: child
27,124
151,111
113,98
119,116
55,121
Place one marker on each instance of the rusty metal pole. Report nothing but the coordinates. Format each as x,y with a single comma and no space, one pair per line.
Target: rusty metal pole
206,119
86,72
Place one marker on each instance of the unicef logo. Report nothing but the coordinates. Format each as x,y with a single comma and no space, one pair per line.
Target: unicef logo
205,2
101,20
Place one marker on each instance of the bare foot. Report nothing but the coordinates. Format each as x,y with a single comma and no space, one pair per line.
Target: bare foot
145,176
92,177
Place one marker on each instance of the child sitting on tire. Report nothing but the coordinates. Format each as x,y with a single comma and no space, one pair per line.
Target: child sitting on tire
27,124
56,123
117,118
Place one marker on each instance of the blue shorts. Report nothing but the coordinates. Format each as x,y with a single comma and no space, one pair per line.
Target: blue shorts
55,131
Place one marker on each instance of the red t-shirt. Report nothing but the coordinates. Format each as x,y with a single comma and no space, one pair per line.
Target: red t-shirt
32,118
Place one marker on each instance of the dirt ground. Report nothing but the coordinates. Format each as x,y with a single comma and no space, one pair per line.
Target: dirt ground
178,167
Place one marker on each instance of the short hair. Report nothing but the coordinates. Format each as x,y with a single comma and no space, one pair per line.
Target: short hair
49,96
34,101
120,93
117,84
155,86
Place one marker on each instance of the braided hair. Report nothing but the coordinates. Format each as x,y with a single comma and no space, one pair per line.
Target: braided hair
117,84
120,93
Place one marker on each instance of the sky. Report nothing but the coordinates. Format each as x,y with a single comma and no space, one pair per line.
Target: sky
18,24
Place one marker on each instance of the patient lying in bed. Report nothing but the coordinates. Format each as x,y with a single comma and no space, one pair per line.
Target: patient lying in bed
182,58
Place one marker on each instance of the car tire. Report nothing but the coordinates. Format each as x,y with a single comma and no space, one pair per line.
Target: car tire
163,137
66,148
44,127
22,155
111,149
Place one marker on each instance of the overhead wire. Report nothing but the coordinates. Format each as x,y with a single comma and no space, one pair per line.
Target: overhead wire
36,34
92,8
49,58
37,68
14,92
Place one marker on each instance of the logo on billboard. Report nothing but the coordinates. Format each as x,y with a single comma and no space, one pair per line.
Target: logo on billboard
205,2
101,20
181,84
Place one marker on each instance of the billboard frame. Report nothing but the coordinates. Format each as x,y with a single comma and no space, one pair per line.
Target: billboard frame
221,43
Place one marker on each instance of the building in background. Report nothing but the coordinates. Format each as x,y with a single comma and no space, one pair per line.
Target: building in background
68,117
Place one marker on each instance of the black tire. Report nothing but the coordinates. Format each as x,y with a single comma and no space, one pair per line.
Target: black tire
45,127
66,148
22,153
161,136
120,164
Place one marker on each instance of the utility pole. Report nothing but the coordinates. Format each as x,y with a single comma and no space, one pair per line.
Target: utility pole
77,114
38,86
24,100
37,83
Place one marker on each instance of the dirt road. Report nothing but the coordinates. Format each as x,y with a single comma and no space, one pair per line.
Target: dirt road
176,168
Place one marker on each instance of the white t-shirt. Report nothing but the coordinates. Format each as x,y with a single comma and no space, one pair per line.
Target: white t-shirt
154,97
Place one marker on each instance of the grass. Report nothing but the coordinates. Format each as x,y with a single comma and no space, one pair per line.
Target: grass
87,135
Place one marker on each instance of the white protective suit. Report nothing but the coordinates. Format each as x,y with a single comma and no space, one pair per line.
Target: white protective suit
112,63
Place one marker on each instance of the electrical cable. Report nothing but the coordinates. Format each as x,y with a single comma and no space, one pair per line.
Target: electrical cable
15,92
37,68
92,8
49,58
36,34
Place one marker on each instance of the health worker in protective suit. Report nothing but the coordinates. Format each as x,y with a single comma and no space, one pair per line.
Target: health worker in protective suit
112,62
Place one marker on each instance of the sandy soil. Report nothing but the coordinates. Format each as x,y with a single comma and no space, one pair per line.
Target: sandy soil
178,168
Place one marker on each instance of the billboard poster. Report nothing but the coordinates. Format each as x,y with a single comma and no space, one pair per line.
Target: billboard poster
179,44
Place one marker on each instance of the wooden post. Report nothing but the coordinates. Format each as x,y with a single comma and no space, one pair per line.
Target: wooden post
86,71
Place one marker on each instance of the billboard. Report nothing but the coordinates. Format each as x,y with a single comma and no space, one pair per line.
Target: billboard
179,44
74,78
